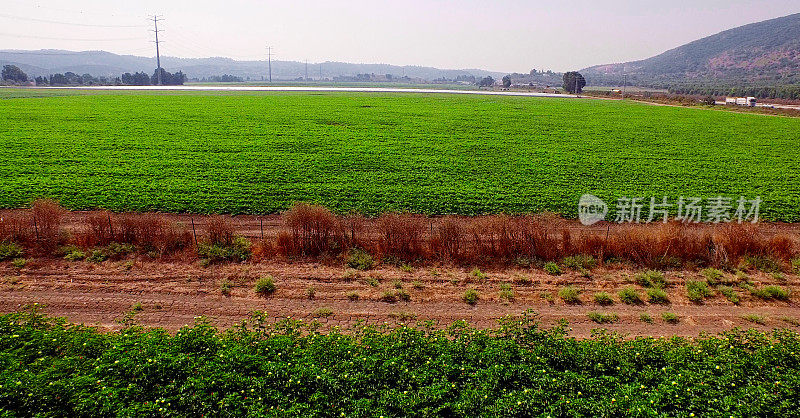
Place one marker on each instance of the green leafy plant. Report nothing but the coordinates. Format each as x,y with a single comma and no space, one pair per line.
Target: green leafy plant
10,251
96,256
670,318
630,296
697,291
476,273
225,287
552,269
359,259
760,263
646,318
323,312
730,294
237,251
657,296
403,295
506,293
75,255
713,276
265,286
389,296
547,296
471,296
580,262
19,263
603,299
353,296
570,294
651,278
771,292
754,318
711,374
602,318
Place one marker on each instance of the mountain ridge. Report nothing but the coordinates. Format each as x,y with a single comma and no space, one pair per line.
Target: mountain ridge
102,63
767,51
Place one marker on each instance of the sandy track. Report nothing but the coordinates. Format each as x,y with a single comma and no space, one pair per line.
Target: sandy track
173,294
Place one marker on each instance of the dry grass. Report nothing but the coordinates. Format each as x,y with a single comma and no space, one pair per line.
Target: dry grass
313,231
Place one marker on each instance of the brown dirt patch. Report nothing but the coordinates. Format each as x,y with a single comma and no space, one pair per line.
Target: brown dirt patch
172,294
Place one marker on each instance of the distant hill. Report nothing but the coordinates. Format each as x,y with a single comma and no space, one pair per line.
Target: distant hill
101,63
764,53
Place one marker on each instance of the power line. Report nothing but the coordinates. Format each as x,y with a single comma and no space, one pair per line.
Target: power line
32,19
14,35
74,10
40,53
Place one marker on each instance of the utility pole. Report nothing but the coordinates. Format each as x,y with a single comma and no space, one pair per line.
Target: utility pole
158,53
320,71
306,70
269,62
624,84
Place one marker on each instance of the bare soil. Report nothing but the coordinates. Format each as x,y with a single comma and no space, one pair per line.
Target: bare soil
172,294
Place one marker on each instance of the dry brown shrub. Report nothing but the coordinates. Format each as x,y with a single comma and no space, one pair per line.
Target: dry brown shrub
172,238
313,230
782,247
283,244
147,231
351,229
504,237
590,243
401,235
491,236
449,239
734,241
47,216
220,230
98,230
541,240
262,249
645,245
17,227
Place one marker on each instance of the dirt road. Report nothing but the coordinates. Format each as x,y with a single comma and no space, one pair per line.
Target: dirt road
173,294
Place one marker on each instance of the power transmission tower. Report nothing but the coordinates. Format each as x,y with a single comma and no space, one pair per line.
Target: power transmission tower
158,53
269,62
306,70
320,71
624,84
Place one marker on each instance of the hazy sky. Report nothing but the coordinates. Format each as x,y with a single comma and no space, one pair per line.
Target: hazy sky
501,35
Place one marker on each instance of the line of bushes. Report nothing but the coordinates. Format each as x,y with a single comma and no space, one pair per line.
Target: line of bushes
314,231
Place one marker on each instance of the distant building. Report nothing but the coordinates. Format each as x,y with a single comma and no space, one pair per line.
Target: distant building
741,101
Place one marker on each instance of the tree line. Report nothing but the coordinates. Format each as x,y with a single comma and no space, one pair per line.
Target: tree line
788,92
13,74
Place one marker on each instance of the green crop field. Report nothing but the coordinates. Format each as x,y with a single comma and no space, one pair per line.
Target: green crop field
369,152
53,369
